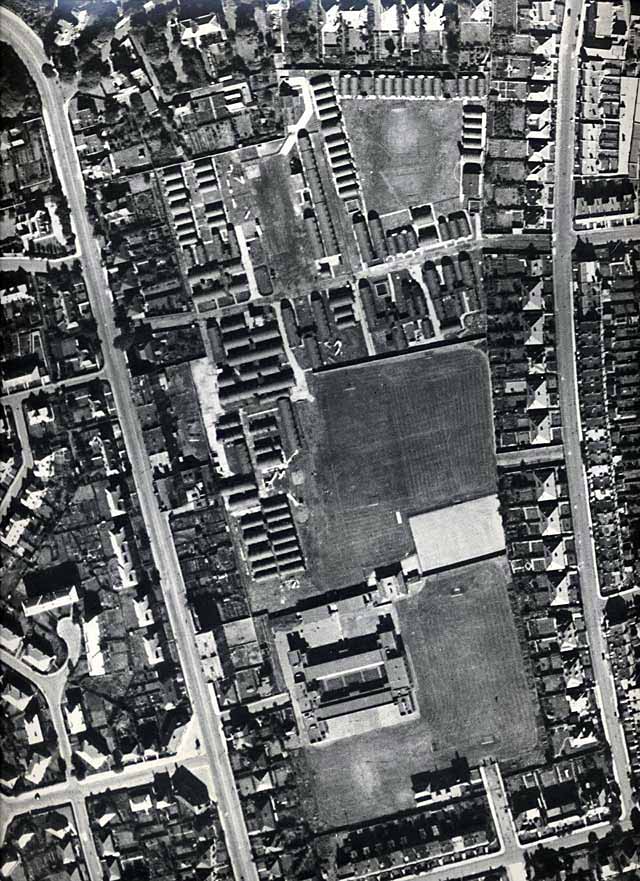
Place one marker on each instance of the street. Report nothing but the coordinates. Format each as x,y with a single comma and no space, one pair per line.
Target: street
52,686
14,400
33,264
629,233
214,756
29,47
564,239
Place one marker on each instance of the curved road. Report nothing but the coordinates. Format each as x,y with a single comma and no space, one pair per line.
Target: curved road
29,47
52,686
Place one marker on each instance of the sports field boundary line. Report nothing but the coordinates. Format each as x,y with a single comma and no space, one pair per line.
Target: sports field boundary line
405,353
452,567
406,813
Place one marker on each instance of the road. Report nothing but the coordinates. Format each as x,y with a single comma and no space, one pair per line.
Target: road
87,841
52,686
301,83
207,713
29,48
563,242
137,774
612,234
501,814
76,792
564,239
14,400
531,456
33,264
15,487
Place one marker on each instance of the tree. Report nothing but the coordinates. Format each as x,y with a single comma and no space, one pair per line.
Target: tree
167,74
49,71
546,862
616,610
67,59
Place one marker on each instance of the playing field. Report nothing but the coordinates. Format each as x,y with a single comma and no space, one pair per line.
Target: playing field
470,673
284,236
471,690
406,151
389,439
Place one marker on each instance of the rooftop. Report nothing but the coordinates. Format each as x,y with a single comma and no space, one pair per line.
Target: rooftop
458,533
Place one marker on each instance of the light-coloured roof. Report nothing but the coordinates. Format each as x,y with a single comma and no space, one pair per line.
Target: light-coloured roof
458,533
346,664
240,632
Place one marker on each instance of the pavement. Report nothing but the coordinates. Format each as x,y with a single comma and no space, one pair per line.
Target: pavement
301,83
15,487
611,234
14,400
512,853
207,713
564,239
87,841
138,774
29,48
531,456
76,792
501,815
11,263
52,686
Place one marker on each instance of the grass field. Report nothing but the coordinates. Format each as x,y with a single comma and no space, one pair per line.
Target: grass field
284,234
406,151
405,434
471,690
464,648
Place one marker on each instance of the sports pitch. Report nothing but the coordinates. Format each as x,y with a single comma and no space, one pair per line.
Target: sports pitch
284,236
392,438
471,689
406,151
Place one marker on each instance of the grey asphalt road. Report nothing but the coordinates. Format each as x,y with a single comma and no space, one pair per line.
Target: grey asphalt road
13,490
564,239
13,399
62,794
95,784
629,233
531,456
52,686
501,813
33,264
87,841
29,47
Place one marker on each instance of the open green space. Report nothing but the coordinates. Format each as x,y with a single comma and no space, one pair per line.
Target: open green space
470,673
406,151
285,239
472,692
391,438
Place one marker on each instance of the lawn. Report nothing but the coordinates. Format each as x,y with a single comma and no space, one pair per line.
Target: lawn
472,693
406,151
391,438
463,645
284,234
